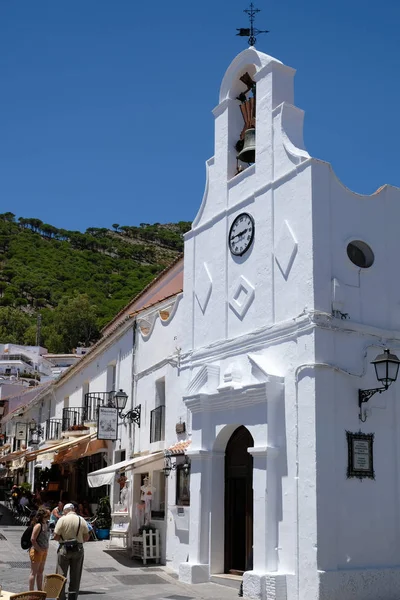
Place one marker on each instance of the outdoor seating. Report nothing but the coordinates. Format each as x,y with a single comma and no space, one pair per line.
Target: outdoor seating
53,585
29,596
92,531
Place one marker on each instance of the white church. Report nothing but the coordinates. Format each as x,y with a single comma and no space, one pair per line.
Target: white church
289,293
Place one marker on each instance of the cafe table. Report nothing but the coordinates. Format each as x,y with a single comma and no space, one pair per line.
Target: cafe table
6,595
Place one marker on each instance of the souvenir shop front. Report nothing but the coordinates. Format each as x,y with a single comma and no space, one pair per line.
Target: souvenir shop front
137,488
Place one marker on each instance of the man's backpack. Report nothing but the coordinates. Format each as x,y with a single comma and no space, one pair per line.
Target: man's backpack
26,543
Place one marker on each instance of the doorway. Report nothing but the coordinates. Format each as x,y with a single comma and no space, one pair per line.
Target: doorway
238,502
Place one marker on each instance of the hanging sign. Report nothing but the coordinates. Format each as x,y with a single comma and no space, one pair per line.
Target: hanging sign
21,431
107,423
360,455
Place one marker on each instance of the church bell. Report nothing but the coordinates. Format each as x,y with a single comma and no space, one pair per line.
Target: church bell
248,152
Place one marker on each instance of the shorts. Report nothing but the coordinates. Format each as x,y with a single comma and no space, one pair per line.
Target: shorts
37,557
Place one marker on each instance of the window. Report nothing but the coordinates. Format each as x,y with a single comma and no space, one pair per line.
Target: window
157,416
182,486
111,378
157,421
160,392
360,254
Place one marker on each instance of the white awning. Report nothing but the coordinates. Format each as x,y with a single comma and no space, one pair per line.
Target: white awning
105,476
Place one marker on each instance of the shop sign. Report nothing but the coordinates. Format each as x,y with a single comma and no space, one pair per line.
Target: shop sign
21,431
107,423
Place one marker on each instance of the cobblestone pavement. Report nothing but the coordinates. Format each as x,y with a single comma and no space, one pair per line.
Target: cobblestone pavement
110,574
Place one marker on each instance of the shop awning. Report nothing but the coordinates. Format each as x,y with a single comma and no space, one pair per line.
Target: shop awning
13,456
86,448
105,476
58,447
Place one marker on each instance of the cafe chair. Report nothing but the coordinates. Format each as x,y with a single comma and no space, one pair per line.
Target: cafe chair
29,596
53,585
92,528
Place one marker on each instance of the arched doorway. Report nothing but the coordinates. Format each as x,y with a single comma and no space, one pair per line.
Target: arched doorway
238,501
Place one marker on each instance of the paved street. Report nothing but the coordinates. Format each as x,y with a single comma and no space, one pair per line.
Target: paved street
111,574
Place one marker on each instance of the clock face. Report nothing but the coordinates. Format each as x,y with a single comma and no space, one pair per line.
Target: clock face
241,234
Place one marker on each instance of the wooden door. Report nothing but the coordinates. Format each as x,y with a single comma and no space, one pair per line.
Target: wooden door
238,502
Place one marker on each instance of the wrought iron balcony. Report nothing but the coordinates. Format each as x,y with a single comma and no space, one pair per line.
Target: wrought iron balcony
74,418
93,400
53,429
157,424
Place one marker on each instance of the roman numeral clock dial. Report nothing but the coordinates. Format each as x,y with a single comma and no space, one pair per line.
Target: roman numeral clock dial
241,234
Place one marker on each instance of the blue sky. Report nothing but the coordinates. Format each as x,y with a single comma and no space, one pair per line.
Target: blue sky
105,106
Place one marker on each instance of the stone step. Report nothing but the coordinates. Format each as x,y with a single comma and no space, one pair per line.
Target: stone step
233,581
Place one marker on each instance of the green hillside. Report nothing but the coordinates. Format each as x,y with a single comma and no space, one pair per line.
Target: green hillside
76,281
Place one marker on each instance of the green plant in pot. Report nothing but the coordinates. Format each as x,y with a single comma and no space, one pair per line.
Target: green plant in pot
103,519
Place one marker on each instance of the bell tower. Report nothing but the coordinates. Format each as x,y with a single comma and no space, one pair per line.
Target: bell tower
245,238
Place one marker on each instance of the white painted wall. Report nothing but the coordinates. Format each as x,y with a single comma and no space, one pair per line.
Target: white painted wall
317,534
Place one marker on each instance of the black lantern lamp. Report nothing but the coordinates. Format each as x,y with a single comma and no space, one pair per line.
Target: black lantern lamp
168,466
34,428
36,431
386,369
133,415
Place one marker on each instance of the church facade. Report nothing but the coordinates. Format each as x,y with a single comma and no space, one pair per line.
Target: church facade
288,295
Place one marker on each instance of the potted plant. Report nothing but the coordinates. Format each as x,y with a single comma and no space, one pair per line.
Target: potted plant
103,519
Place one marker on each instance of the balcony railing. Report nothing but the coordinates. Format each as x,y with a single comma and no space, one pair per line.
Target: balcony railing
95,399
74,418
157,424
53,429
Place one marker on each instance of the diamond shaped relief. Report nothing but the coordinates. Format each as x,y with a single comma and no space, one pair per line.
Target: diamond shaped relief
285,249
203,286
241,297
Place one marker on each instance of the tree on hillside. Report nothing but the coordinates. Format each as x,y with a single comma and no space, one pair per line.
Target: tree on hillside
73,323
13,324
8,216
116,226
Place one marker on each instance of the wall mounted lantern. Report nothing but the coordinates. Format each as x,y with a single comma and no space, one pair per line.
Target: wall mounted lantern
36,431
386,369
34,428
169,466
133,416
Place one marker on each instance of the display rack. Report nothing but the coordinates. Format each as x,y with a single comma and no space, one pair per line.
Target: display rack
119,529
146,546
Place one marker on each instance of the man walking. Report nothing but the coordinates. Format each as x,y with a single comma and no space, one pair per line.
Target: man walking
71,531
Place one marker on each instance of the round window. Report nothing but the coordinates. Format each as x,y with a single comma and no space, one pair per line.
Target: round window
360,254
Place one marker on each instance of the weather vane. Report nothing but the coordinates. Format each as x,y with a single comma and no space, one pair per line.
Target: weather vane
251,31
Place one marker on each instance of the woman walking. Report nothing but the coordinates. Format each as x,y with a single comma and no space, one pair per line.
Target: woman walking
39,549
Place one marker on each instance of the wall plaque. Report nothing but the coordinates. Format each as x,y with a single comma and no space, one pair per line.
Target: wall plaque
107,423
360,455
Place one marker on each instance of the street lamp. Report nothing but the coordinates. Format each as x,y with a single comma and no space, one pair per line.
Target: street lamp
133,416
386,370
168,466
35,429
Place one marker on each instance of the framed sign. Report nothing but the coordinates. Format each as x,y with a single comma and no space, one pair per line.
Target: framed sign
107,423
360,455
21,431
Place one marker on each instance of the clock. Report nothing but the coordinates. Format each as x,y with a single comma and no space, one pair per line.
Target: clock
241,234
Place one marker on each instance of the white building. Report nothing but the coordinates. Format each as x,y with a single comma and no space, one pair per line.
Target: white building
24,365
289,293
272,369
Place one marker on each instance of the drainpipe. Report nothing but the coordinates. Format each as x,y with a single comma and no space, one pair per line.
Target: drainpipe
132,431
